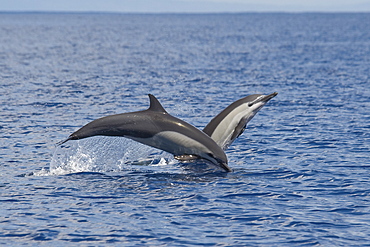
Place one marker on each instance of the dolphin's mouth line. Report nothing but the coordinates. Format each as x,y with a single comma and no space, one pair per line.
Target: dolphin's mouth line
262,99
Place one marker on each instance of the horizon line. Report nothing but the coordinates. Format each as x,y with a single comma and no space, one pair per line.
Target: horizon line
176,12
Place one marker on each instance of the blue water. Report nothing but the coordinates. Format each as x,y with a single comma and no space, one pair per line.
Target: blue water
301,169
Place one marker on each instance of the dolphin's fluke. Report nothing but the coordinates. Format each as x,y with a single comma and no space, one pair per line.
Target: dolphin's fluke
62,142
73,136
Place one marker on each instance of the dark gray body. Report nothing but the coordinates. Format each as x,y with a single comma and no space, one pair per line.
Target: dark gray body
231,122
156,128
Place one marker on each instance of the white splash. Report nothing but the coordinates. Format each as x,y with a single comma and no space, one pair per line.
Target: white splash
100,154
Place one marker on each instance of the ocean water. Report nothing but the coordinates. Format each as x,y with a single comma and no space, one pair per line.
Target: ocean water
301,168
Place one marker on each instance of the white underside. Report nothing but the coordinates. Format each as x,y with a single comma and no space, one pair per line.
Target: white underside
175,143
224,131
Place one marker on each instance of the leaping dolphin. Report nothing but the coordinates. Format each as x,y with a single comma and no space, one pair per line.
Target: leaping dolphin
230,123
155,127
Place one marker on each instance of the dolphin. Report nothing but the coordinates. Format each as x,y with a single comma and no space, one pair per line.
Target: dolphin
230,123
156,128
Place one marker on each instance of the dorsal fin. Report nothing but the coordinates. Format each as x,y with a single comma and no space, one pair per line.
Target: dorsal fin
155,105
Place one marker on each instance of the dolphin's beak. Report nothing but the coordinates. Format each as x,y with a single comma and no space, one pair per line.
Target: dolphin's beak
263,99
225,167
268,97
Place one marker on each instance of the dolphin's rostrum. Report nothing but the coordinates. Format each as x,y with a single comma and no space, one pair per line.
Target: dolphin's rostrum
156,128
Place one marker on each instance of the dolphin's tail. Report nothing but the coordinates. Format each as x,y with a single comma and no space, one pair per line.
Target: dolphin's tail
73,136
64,141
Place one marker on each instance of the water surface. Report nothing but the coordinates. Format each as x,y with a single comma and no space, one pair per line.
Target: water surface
301,169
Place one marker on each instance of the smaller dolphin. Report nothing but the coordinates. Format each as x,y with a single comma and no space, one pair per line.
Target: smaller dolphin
156,128
230,123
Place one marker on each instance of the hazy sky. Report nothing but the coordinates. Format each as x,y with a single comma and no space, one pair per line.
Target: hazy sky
187,5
